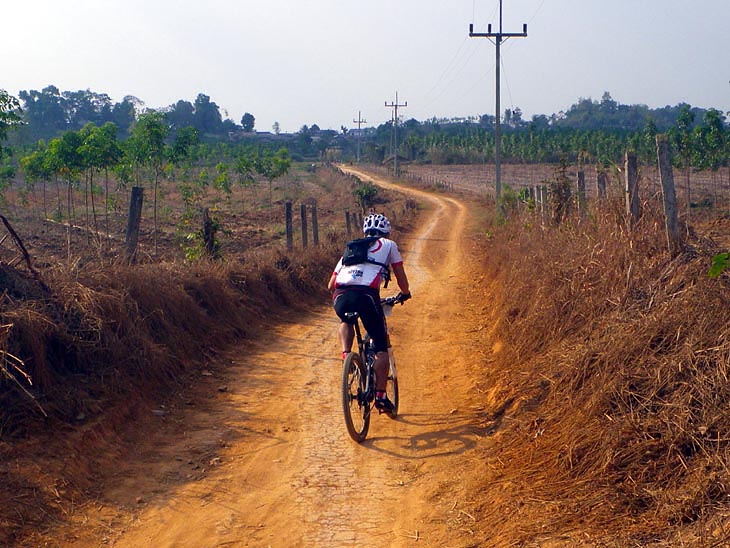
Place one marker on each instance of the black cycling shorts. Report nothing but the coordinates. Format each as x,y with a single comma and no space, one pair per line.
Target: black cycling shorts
367,304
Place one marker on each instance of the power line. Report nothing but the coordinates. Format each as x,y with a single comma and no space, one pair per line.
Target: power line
499,37
360,121
455,69
394,138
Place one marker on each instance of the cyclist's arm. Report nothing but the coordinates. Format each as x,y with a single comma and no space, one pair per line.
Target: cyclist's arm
401,278
331,283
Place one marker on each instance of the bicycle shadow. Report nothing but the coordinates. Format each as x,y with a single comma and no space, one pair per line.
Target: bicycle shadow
439,435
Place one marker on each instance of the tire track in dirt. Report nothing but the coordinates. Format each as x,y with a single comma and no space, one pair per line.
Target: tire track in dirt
282,470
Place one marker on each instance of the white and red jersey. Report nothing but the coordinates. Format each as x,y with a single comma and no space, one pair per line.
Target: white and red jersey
382,250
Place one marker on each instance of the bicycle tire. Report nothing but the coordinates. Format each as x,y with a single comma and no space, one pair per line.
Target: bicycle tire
355,409
391,388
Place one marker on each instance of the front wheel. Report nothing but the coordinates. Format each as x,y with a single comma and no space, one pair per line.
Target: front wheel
354,404
391,388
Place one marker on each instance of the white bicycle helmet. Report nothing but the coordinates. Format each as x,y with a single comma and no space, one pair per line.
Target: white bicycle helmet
376,222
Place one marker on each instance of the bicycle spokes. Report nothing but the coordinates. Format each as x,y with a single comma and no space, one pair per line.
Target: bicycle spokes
354,398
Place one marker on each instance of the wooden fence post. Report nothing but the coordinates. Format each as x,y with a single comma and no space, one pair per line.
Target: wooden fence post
303,213
289,228
581,194
315,225
208,234
669,193
133,222
633,207
601,185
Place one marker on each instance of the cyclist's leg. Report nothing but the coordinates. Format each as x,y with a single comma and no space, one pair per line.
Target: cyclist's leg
382,364
347,335
345,302
374,321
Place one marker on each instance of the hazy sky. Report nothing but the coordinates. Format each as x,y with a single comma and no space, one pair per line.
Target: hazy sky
322,61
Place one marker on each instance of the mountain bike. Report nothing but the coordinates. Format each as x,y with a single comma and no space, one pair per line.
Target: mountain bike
358,378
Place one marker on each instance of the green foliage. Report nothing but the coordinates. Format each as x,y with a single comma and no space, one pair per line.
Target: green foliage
222,180
247,122
203,178
195,246
272,166
146,145
9,116
35,166
185,139
206,115
100,148
7,172
124,174
365,193
509,199
720,263
711,138
244,167
682,138
65,157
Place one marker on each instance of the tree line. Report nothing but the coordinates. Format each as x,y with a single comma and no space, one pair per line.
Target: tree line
589,131
49,112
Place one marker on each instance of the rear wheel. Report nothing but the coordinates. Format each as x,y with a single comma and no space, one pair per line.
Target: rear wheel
391,388
354,406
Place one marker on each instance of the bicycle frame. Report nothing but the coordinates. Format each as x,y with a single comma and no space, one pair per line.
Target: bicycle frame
358,381
367,397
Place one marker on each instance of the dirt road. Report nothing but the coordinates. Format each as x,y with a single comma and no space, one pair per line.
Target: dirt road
269,462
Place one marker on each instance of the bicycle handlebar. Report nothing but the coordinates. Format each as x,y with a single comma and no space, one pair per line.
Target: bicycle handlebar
395,299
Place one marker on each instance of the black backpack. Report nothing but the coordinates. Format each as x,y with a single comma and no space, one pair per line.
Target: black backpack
356,252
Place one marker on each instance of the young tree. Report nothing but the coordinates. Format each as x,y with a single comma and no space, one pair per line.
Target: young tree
101,152
245,167
35,168
711,140
682,138
68,163
712,143
146,147
272,166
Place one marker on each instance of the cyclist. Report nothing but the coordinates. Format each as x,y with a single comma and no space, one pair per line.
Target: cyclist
356,288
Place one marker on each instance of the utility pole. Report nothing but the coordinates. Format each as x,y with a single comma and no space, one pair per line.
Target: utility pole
499,37
359,123
394,140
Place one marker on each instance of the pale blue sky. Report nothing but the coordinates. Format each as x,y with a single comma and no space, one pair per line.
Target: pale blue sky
321,61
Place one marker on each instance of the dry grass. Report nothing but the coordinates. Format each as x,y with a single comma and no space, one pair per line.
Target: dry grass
137,329
608,385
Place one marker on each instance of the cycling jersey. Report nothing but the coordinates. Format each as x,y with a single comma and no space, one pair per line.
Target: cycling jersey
370,275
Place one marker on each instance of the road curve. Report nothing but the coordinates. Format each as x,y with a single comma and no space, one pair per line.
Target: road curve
269,463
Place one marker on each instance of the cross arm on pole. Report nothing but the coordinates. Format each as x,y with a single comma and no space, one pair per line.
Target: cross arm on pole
490,34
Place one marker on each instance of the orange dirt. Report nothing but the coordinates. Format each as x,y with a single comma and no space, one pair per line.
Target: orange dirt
264,459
